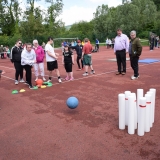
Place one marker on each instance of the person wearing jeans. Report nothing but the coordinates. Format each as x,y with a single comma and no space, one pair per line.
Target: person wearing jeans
135,50
28,60
16,59
39,58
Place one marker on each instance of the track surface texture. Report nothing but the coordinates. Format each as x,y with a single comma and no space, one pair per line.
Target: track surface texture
37,124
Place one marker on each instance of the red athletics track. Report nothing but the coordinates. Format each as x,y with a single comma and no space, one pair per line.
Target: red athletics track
37,125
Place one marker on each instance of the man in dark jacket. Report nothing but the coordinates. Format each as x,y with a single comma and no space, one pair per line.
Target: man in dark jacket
79,49
16,59
135,50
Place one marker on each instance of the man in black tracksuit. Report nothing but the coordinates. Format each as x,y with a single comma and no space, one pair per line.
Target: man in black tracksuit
16,59
79,49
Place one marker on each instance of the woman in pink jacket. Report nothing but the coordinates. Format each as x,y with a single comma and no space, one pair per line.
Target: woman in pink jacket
39,57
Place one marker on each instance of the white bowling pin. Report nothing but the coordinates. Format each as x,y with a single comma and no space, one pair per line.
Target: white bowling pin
131,116
121,106
142,111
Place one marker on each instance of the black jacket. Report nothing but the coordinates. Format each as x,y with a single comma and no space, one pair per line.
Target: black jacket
78,49
16,54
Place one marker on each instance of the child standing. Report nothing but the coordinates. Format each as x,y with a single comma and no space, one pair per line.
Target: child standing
68,61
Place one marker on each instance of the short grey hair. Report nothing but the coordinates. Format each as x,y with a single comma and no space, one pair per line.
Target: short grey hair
35,41
133,32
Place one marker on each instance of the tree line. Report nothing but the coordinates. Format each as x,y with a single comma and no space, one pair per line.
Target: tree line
34,23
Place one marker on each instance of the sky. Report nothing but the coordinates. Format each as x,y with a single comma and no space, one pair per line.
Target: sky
78,10
75,11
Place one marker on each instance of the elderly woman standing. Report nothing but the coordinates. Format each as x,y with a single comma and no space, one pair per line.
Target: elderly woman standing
39,58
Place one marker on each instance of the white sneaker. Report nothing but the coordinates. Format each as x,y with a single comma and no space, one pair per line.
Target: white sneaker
133,78
31,87
36,79
22,80
85,74
59,80
49,81
16,82
44,79
92,72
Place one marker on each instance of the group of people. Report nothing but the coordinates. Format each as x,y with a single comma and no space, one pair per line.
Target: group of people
4,52
123,46
110,43
24,58
154,42
32,55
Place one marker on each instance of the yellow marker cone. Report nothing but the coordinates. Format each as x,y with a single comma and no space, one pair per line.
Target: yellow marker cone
22,90
43,86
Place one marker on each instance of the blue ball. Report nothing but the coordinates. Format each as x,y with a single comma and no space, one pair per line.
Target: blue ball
72,102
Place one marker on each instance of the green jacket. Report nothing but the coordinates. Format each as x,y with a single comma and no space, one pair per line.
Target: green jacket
136,47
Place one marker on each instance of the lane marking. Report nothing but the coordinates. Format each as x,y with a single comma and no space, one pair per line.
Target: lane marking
32,72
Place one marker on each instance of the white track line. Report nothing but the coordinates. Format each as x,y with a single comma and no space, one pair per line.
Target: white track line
32,72
8,77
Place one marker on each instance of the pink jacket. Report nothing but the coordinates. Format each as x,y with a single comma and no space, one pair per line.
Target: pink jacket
39,54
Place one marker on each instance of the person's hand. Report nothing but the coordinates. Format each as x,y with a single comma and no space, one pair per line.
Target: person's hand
56,57
57,54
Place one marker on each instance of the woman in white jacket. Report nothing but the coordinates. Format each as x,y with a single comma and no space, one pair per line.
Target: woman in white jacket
28,58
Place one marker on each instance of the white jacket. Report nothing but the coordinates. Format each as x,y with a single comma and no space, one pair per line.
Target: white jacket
28,58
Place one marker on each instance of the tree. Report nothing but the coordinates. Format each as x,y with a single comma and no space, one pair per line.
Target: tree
53,26
157,3
10,13
100,22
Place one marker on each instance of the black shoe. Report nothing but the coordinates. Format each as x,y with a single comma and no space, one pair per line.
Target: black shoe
31,87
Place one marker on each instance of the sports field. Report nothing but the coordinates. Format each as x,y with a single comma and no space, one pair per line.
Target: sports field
37,124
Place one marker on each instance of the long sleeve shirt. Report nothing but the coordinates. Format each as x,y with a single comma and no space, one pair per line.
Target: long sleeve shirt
121,42
28,58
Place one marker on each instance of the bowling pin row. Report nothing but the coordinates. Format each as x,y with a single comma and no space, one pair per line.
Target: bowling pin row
137,113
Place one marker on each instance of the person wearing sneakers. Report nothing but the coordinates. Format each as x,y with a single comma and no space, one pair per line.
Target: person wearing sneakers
121,47
51,58
68,61
135,50
79,49
16,59
28,59
39,58
87,57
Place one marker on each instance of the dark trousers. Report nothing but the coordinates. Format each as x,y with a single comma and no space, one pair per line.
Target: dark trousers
121,60
151,46
2,55
19,70
28,70
97,46
79,58
134,65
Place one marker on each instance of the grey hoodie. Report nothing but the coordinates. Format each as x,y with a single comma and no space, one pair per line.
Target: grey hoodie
28,58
